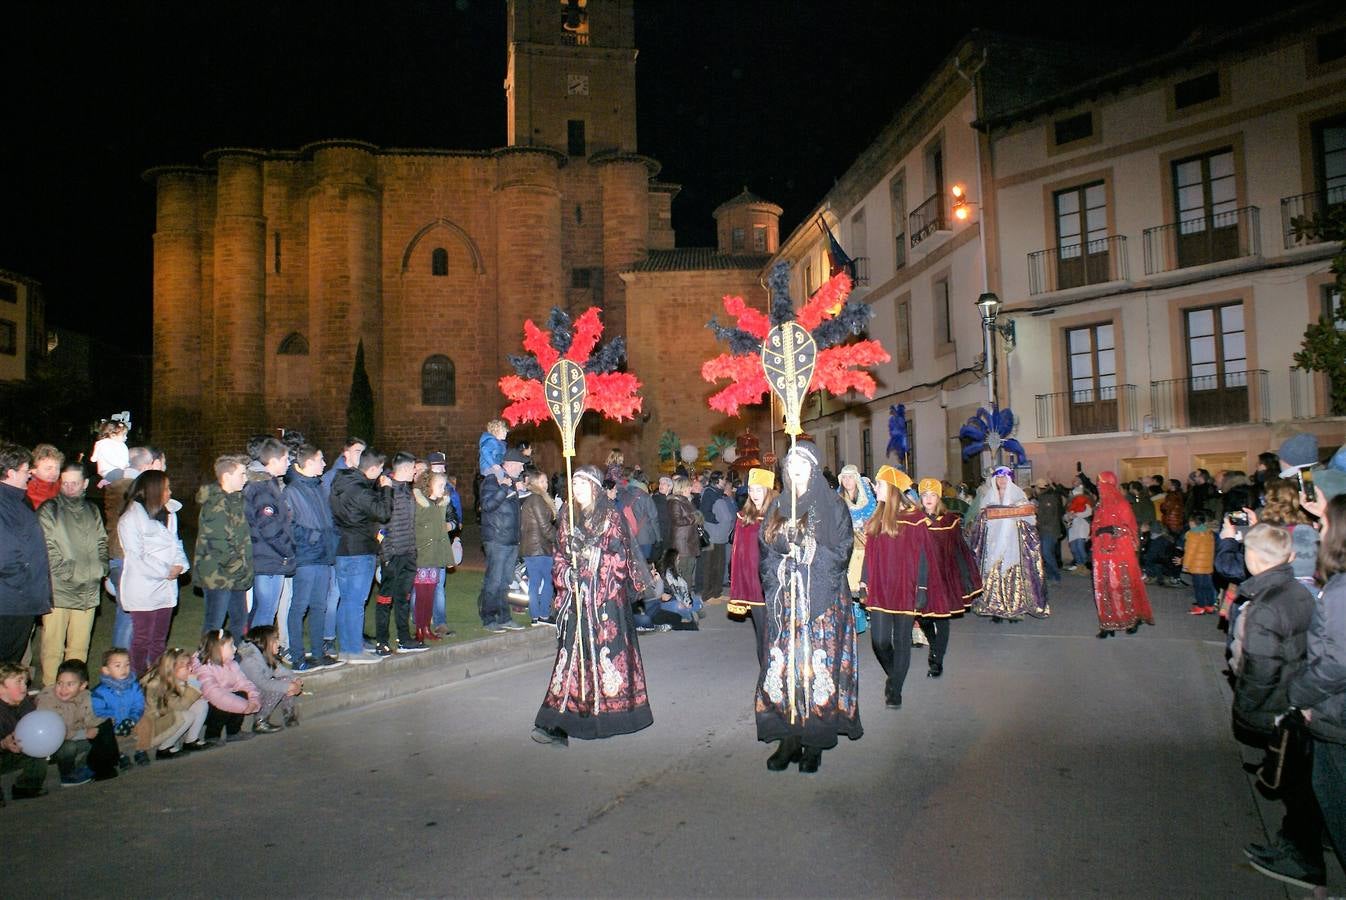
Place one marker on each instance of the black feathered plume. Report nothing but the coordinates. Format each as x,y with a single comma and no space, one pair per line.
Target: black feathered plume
740,341
852,320
608,357
527,367
562,330
782,309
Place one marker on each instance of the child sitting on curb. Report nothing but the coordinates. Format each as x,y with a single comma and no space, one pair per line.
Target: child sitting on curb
120,699
90,748
14,705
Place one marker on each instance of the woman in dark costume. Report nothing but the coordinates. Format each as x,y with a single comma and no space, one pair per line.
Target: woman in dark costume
808,692
597,686
1119,592
745,577
956,581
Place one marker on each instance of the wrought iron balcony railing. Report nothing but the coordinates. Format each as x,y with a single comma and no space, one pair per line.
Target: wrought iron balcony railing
1314,205
861,269
1233,398
926,219
1201,240
1087,412
1310,394
1075,265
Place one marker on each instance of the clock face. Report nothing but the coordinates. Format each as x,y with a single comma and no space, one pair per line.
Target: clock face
577,85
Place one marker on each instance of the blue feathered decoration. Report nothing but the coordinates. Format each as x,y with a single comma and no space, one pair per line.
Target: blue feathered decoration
991,430
897,432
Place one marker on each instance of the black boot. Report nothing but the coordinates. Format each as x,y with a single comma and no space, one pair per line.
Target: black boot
1104,633
936,668
811,759
787,751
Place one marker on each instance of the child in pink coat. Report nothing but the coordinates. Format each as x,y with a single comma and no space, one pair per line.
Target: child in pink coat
228,691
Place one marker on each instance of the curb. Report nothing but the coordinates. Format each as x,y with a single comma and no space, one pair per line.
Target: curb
335,690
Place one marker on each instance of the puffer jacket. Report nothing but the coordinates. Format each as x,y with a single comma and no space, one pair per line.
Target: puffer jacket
76,551
359,507
1321,685
537,527
25,574
272,526
152,550
1173,512
315,535
119,699
1275,624
499,511
434,547
223,542
1198,556
685,521
77,713
399,537
219,683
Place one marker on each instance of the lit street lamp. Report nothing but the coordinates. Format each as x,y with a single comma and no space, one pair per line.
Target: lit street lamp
988,304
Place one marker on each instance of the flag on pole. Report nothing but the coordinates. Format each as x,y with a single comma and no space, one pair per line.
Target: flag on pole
836,257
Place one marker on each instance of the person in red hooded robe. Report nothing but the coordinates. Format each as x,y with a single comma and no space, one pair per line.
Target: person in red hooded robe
1119,592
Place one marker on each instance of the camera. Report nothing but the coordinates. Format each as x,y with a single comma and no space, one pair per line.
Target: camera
1238,519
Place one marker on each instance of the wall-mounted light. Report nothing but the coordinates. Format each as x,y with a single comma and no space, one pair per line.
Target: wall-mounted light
962,206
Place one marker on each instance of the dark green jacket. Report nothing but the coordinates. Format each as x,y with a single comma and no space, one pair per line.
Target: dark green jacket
76,549
434,547
223,542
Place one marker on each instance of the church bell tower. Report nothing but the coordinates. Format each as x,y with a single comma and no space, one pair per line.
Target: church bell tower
570,82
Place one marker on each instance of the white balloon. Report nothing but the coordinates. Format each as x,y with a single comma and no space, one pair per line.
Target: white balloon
40,733
730,454
690,453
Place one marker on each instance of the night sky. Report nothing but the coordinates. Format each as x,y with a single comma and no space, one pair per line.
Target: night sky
780,96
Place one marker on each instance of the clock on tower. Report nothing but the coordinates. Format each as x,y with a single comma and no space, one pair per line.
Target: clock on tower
577,85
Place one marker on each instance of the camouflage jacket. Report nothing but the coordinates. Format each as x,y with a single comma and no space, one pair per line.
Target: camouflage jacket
223,542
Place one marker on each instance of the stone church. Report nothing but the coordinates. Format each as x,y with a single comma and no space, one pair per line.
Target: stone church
272,266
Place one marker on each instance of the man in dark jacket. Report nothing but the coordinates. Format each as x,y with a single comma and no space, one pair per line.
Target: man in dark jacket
500,503
1271,647
360,504
397,554
25,574
1050,518
272,528
664,518
315,540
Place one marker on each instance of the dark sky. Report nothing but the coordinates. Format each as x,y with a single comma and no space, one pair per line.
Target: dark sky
780,96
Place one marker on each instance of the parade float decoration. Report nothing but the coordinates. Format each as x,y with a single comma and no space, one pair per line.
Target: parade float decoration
791,353
564,373
991,430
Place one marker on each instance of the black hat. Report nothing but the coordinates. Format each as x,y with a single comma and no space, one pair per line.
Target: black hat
514,454
435,459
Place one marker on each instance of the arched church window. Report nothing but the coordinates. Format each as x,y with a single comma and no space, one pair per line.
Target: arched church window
295,344
438,387
439,261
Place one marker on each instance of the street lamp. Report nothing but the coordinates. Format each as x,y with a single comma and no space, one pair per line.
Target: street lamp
988,304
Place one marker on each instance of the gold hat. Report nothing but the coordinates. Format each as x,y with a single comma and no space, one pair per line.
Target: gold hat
761,478
895,477
930,486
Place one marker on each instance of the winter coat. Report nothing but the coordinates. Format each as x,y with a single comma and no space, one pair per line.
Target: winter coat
1173,512
10,715
537,527
218,684
1198,557
315,534
643,512
399,535
269,679
76,551
163,719
663,517
1051,509
685,520
1321,685
500,506
152,549
1275,622
722,529
1229,562
119,699
1080,511
434,547
114,501
25,574
706,506
359,506
272,527
77,713
1142,509
223,541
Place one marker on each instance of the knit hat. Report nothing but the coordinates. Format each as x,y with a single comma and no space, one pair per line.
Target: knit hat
930,486
1299,450
895,477
849,470
761,478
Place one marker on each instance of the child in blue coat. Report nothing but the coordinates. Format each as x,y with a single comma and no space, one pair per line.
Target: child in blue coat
121,699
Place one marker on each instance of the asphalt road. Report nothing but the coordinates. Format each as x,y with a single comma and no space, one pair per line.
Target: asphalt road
1044,763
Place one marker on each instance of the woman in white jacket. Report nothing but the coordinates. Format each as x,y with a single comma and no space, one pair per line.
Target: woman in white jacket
154,558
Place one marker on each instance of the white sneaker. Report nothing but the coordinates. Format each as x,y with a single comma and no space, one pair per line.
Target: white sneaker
512,625
363,658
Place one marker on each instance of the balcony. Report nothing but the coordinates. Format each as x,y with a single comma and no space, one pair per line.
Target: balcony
1106,410
861,270
1314,206
928,225
1310,394
1234,398
1203,240
1074,265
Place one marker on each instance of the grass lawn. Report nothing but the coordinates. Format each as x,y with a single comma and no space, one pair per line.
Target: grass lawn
460,604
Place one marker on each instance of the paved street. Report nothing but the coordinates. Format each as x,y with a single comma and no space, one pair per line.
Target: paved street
1045,763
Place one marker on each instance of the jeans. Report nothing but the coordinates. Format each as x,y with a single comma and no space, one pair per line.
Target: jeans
1079,551
540,587
492,605
1329,786
329,628
151,633
438,616
220,602
309,596
99,754
121,625
1051,552
283,611
265,599
354,574
1203,590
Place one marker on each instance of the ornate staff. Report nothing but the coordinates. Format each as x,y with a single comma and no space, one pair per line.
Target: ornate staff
565,392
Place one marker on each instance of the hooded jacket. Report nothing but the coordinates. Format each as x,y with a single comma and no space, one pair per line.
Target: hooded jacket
399,537
315,534
1275,623
223,541
434,547
152,550
1321,685
537,527
272,527
219,684
118,699
359,506
76,551
499,511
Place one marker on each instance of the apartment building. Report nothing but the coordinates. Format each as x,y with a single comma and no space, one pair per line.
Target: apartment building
23,337
1144,252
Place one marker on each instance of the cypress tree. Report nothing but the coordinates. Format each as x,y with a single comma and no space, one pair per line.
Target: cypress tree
360,406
